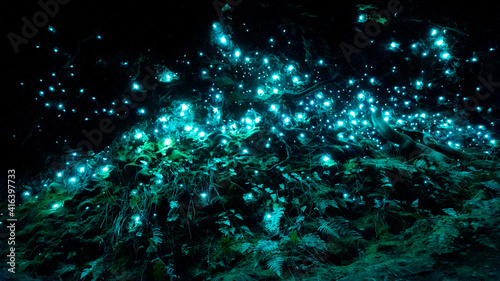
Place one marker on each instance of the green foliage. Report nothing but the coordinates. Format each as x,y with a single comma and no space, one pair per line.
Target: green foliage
444,234
294,238
269,250
94,271
313,242
272,221
275,264
376,17
156,240
265,247
479,220
493,185
161,271
203,207
337,227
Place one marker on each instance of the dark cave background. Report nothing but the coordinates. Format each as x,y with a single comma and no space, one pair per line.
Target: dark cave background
164,33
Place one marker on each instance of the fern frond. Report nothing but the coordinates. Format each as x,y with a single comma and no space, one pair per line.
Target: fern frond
444,235
245,248
323,204
313,241
492,184
451,212
338,227
333,227
275,264
94,270
265,247
485,241
272,223
157,235
328,229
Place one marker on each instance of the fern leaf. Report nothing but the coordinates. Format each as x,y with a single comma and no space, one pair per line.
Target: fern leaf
485,241
265,247
492,184
245,247
323,204
329,229
451,212
272,223
445,232
338,227
275,264
314,242
94,270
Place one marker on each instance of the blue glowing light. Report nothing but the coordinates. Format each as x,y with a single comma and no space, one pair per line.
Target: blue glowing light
445,56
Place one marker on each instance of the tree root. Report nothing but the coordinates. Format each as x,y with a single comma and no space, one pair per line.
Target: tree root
419,145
